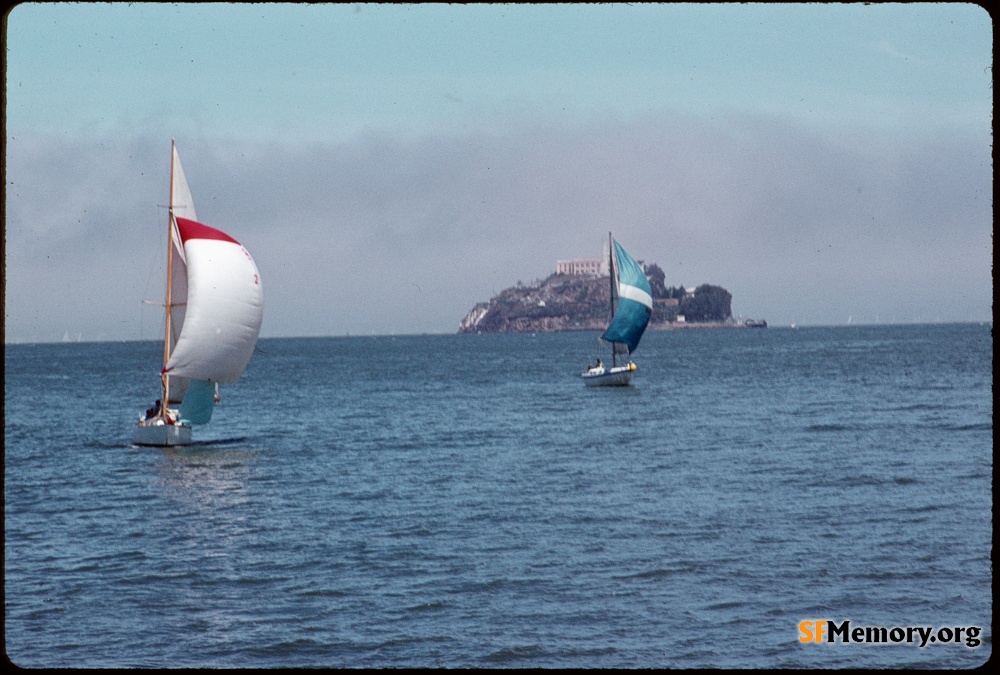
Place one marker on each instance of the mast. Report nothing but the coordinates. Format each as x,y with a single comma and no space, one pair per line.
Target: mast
170,274
612,277
611,271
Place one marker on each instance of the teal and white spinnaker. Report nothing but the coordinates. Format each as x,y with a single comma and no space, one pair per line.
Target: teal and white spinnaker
634,303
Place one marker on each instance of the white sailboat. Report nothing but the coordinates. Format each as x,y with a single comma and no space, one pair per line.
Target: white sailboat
631,307
214,307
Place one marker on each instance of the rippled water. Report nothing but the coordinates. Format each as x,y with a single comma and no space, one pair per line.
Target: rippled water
466,501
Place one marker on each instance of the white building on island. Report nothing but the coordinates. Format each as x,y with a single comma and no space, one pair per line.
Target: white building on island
588,267
594,267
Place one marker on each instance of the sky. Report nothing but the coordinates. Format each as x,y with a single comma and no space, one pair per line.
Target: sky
389,166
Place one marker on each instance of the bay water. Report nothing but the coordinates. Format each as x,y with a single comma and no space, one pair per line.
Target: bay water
465,501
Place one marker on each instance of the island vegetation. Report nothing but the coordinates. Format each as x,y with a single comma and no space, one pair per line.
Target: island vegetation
564,302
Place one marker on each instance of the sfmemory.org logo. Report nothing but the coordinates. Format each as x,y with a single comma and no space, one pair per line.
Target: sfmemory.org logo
830,631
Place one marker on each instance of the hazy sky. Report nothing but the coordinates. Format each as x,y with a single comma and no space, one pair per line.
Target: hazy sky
391,165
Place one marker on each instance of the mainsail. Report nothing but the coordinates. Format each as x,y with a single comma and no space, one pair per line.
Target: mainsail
181,204
632,302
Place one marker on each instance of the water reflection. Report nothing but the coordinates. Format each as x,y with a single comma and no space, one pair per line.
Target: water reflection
208,477
213,527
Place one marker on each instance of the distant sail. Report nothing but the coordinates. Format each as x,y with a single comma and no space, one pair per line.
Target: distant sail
635,302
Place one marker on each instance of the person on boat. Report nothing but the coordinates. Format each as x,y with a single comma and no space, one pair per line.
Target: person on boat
593,368
154,411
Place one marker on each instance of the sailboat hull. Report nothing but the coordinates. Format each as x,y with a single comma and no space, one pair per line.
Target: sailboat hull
620,376
163,435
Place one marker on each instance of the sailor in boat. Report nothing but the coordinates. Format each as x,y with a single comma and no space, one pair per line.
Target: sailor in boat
596,369
154,413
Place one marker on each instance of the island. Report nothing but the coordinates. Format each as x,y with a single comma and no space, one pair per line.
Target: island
571,300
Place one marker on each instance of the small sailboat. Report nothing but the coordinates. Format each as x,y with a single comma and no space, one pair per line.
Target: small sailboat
631,307
214,307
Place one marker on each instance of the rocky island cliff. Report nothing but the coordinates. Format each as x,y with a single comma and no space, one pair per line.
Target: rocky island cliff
565,302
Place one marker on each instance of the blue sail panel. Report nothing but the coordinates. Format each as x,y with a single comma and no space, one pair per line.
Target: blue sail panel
199,402
635,302
629,324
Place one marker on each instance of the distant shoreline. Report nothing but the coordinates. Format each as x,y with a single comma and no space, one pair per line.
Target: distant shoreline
662,326
446,333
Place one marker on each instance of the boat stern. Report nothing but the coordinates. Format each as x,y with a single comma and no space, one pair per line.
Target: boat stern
156,433
613,377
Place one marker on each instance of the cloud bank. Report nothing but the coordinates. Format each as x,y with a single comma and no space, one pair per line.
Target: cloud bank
403,233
